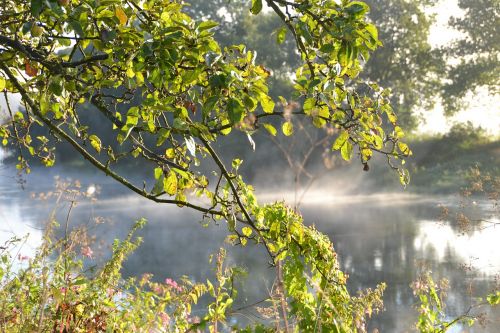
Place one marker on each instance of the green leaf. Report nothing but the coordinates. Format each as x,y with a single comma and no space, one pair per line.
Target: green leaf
95,142
163,134
77,28
494,299
372,30
170,153
206,25
158,173
136,152
309,105
256,7
181,173
341,140
236,163
235,110
36,7
249,102
209,105
344,55
132,116
270,128
346,151
158,187
287,128
56,86
357,9
56,109
281,35
327,48
304,32
44,105
2,83
180,124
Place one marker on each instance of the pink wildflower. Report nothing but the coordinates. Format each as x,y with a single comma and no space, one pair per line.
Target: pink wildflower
87,251
172,284
165,319
157,289
110,292
22,258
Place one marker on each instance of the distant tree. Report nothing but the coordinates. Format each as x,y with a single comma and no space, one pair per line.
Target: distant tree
406,63
475,62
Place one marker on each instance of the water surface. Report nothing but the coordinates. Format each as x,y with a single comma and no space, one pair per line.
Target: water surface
379,238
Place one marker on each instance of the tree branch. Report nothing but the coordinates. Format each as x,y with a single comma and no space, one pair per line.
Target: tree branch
89,157
38,56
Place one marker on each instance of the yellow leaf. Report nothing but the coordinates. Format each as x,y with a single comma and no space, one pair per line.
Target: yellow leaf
170,153
130,72
2,83
270,128
139,78
287,128
170,183
246,231
120,14
95,142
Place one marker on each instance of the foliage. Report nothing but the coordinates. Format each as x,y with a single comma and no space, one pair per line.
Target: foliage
169,92
432,317
406,63
481,186
430,294
475,54
441,163
54,291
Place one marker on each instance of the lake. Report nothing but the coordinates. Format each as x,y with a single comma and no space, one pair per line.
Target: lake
379,238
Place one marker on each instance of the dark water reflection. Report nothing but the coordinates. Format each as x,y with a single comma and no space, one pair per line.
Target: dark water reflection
377,240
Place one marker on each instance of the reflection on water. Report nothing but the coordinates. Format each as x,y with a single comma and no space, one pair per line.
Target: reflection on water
478,248
378,238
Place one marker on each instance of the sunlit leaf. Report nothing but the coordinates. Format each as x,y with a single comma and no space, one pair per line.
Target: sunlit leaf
256,7
120,14
341,139
267,103
346,151
270,128
246,231
287,128
281,35
170,183
95,142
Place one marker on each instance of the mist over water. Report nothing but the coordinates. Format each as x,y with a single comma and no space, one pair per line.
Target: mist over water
379,237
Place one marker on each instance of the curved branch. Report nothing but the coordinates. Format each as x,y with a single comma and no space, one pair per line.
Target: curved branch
290,27
227,176
89,157
38,56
